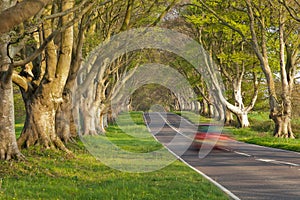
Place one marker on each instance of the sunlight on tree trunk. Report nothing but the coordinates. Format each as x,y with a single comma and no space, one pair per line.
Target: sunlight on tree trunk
41,107
8,144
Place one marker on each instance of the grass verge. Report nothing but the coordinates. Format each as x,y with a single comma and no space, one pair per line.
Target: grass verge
260,131
48,174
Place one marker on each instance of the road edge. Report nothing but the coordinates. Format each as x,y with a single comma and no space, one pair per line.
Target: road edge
225,190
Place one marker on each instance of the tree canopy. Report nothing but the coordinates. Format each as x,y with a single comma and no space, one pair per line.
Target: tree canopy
253,44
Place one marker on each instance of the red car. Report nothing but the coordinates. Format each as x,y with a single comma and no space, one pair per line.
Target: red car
211,136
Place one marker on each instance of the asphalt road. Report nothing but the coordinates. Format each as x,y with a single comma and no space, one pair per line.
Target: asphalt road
247,171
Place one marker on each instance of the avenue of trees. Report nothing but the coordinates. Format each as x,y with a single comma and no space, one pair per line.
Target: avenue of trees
266,29
254,44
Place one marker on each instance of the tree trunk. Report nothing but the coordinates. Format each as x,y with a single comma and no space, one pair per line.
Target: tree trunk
8,145
243,119
39,128
204,108
211,111
193,106
42,103
64,121
103,122
228,117
65,124
241,113
89,117
198,106
176,104
283,127
111,116
281,114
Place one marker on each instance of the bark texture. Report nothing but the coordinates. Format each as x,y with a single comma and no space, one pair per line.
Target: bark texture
8,144
65,124
24,9
42,102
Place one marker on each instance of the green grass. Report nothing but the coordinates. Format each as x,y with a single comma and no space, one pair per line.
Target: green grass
18,127
260,132
48,174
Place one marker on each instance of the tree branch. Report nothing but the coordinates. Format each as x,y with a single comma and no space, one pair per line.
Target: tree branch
164,13
127,18
291,11
20,81
255,94
218,17
51,37
20,13
61,14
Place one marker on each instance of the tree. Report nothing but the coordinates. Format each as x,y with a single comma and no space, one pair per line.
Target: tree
288,54
150,96
262,29
47,61
42,99
9,19
292,7
8,144
230,53
96,107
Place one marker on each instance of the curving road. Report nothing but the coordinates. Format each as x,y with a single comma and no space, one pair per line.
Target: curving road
244,171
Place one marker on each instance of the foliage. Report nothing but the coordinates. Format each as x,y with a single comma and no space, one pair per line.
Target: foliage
145,97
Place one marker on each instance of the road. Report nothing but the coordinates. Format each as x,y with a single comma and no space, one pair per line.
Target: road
247,171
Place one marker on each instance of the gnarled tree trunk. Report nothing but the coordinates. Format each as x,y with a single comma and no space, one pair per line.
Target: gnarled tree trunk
102,122
42,102
283,126
39,128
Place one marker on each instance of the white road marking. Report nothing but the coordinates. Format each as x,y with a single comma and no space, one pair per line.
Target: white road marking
241,153
174,128
271,148
233,196
225,190
278,162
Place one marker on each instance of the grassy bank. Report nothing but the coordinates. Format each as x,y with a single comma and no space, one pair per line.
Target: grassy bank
48,174
260,132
